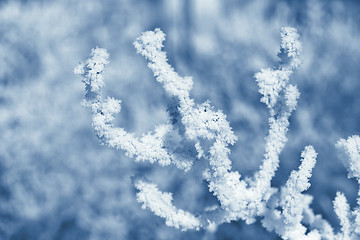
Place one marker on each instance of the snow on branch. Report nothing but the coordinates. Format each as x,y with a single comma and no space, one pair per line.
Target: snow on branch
285,210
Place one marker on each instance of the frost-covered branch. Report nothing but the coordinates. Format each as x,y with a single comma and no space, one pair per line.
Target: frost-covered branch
150,147
161,204
281,99
247,200
298,182
349,220
285,210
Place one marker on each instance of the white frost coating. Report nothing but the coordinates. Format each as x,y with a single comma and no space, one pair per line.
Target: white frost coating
352,148
291,46
239,199
291,96
270,83
160,203
350,221
286,210
287,221
94,67
316,221
150,147
200,121
342,210
149,45
275,87
292,200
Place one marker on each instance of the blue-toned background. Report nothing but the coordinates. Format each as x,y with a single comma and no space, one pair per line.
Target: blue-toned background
58,182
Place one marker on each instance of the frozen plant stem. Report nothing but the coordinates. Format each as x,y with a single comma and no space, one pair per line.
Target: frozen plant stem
284,210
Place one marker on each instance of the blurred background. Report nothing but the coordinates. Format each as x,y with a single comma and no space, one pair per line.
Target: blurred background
58,182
